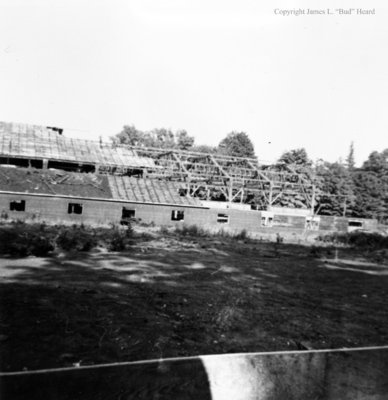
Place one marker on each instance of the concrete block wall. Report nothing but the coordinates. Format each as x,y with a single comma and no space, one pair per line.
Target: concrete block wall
340,224
326,223
94,211
103,212
294,221
369,224
55,209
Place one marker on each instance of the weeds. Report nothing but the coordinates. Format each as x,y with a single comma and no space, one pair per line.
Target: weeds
117,239
362,240
315,252
77,238
20,239
196,231
164,230
279,238
190,230
243,235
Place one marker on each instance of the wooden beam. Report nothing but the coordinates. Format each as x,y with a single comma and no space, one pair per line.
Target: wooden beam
219,166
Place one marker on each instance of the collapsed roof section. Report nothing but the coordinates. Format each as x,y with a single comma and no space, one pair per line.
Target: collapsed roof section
107,187
23,180
44,143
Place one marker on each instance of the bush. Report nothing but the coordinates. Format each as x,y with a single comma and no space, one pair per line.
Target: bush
20,239
76,238
116,239
364,240
116,242
196,231
279,238
315,252
243,235
39,245
190,230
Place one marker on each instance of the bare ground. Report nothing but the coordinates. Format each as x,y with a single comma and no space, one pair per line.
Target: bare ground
174,296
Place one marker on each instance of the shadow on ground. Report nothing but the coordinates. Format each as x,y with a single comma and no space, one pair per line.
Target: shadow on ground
196,297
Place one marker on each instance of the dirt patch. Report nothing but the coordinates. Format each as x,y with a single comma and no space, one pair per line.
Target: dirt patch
176,296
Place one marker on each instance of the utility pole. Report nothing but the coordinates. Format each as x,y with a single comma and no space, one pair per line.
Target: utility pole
313,201
344,212
230,190
270,193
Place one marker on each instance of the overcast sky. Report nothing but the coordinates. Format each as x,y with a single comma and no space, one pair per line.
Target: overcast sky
207,66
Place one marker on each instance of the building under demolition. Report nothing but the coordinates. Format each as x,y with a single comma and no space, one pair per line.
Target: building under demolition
46,176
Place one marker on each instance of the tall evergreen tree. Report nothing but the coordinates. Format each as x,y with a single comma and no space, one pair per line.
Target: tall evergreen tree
371,187
336,190
350,163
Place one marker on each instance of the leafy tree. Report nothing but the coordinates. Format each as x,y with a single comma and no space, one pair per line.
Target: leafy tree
204,148
183,140
158,137
377,162
237,144
129,135
161,137
296,156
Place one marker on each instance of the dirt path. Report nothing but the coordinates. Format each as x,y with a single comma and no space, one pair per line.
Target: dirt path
179,297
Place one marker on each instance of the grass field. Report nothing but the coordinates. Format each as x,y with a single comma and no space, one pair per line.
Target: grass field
173,295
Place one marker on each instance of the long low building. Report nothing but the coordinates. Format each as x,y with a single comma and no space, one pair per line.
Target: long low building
63,197
45,176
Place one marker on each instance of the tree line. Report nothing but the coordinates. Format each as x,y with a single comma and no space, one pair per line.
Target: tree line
342,188
234,144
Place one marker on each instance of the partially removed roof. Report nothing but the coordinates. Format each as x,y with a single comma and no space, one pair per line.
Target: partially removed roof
61,183
149,191
39,142
108,187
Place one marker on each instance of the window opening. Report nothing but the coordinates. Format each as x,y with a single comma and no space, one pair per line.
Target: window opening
17,205
182,192
126,215
266,221
177,215
74,208
357,224
223,218
312,223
